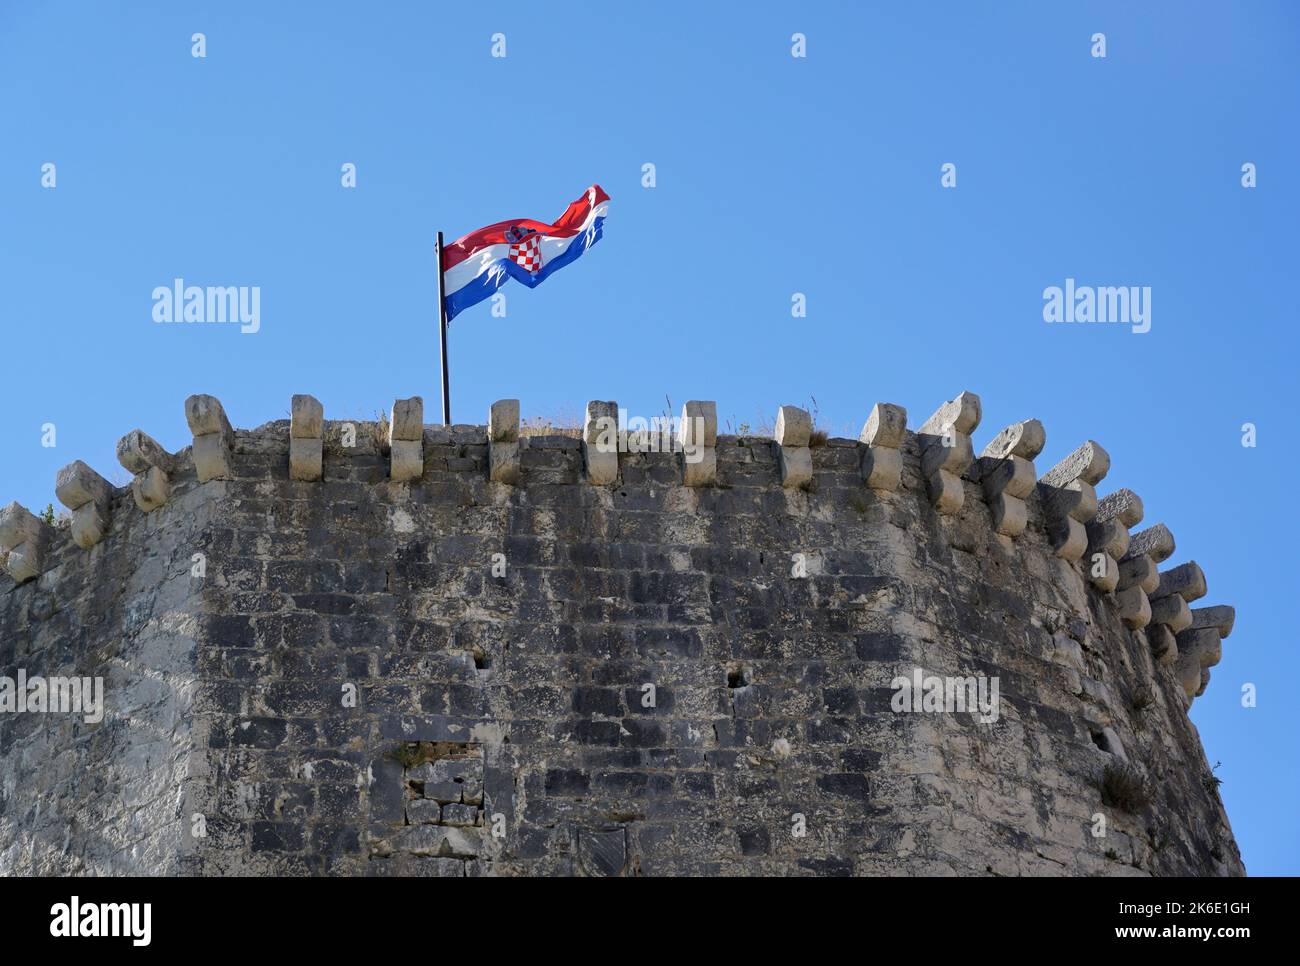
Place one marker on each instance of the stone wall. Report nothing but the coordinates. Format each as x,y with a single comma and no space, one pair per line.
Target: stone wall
357,649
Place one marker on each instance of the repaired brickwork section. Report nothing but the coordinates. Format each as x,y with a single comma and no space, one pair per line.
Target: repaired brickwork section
433,825
495,654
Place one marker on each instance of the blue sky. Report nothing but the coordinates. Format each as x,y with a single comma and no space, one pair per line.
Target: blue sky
775,175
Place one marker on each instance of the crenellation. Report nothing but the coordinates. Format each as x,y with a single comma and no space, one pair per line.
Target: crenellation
152,467
793,434
89,496
24,537
947,452
769,625
1108,534
503,442
1137,575
406,440
881,443
1177,588
306,439
1069,497
1147,549
213,438
1006,470
1200,647
698,440
600,442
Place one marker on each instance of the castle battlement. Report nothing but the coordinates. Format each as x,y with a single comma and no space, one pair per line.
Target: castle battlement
500,605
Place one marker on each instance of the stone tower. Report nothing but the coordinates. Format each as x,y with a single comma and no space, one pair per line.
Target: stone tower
352,648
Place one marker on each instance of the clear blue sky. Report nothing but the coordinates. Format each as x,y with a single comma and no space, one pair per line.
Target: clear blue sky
775,175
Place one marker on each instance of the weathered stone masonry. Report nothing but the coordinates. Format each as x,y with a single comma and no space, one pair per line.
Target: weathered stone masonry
459,651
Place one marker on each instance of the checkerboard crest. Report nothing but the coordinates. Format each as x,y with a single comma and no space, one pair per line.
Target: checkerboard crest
526,249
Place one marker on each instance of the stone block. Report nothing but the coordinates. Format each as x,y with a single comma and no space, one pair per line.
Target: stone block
602,852
1110,537
1076,500
89,525
961,415
1203,642
600,443
1012,475
699,424
796,466
1156,542
882,468
886,426
1024,440
1220,616
1164,645
600,425
882,462
946,451
1186,580
1134,607
946,492
602,467
23,537
406,460
503,462
793,427
954,458
439,840
1122,505
137,452
211,456
503,421
1010,515
150,489
1069,538
306,418
306,457
1172,611
77,484
207,417
24,562
1103,572
406,421
700,468
460,815
19,525
1187,671
697,438
1089,463
1139,571
423,811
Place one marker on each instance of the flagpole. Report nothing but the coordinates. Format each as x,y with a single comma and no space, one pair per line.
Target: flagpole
442,334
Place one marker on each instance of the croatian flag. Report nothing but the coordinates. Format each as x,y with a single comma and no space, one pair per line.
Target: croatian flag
480,263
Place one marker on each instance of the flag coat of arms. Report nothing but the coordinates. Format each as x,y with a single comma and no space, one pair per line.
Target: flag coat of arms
523,249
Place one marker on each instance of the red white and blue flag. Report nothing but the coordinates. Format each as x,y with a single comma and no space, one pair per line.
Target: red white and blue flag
480,263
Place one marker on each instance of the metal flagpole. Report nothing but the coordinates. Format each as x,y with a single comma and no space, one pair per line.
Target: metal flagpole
442,333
